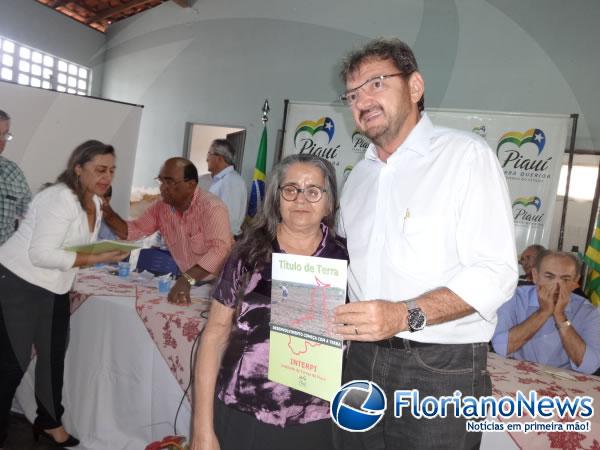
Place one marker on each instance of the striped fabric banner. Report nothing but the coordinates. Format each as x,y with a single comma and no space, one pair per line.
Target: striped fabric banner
592,259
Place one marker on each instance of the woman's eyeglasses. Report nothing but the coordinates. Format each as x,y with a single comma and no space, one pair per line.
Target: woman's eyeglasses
312,194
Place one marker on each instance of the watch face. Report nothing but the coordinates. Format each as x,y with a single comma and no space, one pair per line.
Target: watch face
416,319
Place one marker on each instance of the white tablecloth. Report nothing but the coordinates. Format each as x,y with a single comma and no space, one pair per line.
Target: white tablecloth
118,391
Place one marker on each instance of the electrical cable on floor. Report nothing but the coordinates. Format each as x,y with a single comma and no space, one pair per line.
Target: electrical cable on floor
204,315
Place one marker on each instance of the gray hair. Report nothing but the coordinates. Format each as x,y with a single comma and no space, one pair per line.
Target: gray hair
224,148
394,50
272,204
549,253
255,247
4,116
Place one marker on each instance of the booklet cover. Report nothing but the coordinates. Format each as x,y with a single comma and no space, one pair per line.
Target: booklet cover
104,246
304,352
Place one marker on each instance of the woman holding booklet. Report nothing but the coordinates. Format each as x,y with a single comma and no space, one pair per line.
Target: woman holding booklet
235,405
36,274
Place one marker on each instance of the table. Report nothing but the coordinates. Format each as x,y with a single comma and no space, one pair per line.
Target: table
119,391
174,328
124,377
509,375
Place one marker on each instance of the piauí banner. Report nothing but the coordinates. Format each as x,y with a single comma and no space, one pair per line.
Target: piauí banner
530,150
529,147
325,130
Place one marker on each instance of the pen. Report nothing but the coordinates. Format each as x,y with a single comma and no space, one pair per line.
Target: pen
406,216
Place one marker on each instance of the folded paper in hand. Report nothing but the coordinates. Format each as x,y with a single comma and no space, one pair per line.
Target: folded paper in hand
105,246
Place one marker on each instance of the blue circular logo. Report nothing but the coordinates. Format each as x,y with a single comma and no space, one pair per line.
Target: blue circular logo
358,406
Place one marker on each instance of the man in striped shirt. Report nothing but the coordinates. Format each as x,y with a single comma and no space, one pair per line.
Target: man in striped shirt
193,223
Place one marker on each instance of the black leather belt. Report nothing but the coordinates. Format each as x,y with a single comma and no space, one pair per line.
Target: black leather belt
401,344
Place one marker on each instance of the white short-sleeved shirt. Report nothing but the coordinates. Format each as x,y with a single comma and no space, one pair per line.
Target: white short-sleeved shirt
437,214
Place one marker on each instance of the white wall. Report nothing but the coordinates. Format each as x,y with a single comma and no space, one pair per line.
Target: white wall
216,62
36,25
49,125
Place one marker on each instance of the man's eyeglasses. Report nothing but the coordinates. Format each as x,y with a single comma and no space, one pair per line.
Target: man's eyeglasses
169,182
312,194
370,87
6,137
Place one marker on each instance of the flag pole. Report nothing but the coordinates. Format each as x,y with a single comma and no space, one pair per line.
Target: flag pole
265,112
257,192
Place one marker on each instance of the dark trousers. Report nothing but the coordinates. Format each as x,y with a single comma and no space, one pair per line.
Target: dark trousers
240,431
436,370
30,315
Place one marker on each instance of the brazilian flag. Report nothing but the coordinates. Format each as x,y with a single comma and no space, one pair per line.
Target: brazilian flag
257,193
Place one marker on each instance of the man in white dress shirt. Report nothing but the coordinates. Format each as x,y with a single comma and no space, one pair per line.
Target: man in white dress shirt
227,184
432,254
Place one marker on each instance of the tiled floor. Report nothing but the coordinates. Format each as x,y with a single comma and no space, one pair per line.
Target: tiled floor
20,436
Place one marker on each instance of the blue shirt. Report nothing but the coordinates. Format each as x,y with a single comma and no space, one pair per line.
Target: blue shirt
230,187
545,346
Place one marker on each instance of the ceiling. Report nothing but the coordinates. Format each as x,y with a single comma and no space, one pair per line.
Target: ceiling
99,14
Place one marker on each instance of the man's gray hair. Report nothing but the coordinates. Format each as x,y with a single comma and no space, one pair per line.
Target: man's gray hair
224,148
394,50
547,253
4,116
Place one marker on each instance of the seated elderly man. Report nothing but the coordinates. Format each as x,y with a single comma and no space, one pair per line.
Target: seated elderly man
546,322
527,261
193,223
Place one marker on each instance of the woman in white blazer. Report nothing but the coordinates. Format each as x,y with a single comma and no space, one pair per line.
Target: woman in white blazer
36,274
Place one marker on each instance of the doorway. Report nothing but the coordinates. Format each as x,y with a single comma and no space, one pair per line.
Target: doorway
198,140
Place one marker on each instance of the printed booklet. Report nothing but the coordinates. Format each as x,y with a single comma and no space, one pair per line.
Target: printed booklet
105,246
304,352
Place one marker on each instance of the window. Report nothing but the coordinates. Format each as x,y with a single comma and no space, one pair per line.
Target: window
32,67
583,182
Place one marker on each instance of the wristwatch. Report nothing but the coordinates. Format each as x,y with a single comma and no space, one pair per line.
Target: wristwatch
416,317
191,280
564,324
